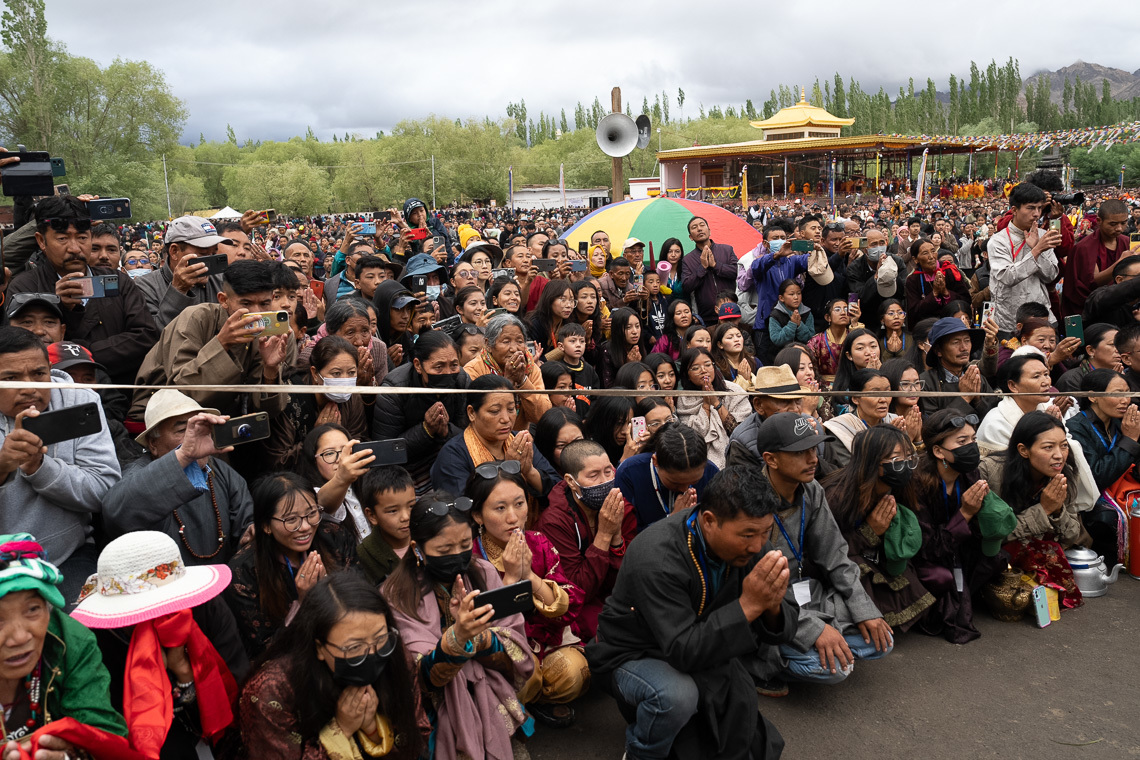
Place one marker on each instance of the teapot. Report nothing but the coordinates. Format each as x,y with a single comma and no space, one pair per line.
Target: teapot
1089,571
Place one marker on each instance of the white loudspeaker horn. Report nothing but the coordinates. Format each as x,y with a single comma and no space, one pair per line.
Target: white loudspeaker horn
617,135
643,130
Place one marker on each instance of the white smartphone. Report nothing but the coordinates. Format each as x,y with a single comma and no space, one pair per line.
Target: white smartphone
637,427
987,311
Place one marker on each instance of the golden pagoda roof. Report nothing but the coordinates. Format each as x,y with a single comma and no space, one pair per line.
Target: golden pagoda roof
802,114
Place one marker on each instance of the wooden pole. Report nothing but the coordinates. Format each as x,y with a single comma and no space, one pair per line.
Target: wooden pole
618,180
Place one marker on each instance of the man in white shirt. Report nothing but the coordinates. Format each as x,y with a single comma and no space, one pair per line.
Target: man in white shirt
1022,262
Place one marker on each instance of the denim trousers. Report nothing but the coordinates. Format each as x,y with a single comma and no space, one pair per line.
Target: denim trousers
665,698
804,666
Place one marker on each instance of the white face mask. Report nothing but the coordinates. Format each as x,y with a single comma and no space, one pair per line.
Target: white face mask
136,273
344,382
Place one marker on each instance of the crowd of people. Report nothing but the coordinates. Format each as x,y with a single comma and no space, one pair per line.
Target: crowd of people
207,563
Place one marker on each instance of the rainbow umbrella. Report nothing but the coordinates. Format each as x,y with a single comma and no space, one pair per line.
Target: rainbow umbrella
658,219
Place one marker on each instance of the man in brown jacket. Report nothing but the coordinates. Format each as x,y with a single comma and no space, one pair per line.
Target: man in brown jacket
221,344
117,328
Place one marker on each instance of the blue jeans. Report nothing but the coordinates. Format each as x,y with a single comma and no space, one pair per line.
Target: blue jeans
665,698
804,666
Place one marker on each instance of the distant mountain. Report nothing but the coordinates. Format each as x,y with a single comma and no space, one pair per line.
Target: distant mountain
1124,85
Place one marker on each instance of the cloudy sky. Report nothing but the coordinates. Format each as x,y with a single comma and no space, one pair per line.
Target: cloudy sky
272,69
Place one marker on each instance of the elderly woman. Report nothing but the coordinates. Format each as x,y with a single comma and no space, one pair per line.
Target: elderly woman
353,319
50,665
506,355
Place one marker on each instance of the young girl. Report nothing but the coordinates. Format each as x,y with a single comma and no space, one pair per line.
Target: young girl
672,252
904,377
471,305
505,294
664,373
713,417
893,341
626,344
698,336
733,355
678,319
470,342
790,320
593,316
826,347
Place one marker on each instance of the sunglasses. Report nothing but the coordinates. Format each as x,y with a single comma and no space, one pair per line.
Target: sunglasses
136,262
489,470
22,298
62,225
969,419
441,508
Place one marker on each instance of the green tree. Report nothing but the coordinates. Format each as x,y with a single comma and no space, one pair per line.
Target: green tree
293,187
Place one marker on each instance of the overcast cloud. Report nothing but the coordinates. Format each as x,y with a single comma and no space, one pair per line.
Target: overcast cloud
273,69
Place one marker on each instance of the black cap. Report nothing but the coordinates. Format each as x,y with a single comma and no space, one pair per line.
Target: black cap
789,431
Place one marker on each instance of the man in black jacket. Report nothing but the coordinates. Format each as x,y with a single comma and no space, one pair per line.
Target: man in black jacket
1116,304
118,329
699,594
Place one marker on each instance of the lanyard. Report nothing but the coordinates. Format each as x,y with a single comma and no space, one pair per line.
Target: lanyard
946,499
657,490
797,553
1101,438
1012,252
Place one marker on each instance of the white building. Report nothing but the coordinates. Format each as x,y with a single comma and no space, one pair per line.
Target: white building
534,197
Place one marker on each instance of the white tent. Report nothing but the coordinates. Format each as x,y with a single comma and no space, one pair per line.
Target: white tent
227,213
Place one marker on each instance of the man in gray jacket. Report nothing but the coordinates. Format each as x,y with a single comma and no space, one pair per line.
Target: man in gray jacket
837,618
182,281
50,491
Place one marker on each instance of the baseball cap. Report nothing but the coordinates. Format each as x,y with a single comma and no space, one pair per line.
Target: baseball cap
788,431
20,301
728,311
64,354
196,231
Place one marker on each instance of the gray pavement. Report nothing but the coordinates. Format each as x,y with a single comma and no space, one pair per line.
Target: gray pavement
1071,690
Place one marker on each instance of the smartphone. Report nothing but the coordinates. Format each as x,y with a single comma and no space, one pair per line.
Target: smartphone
852,298
65,424
63,189
583,248
508,272
803,246
1134,241
215,263
418,233
438,241
270,323
508,600
110,208
419,283
987,311
99,286
637,427
1055,224
544,265
448,324
579,265
32,176
389,452
534,348
318,288
268,216
58,169
1041,606
1075,327
861,243
496,312
366,228
251,427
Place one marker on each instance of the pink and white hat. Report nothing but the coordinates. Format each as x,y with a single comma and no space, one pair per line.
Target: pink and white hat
141,577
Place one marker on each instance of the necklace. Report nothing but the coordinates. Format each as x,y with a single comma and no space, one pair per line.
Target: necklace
32,694
217,518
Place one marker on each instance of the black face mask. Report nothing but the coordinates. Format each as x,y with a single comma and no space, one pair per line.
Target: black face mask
966,458
446,380
896,479
362,674
444,568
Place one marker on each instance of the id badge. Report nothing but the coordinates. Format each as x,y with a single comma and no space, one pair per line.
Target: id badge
959,580
802,591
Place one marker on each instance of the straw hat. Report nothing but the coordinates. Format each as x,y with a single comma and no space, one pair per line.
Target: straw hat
165,404
141,577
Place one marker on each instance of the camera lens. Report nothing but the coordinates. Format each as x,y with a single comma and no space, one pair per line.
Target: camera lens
244,431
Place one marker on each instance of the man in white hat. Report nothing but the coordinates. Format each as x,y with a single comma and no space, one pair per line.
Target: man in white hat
180,487
182,281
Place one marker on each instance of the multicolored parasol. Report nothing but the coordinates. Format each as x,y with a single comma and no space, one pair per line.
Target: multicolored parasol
658,219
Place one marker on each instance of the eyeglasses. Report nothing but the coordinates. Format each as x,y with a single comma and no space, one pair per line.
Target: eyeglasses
915,386
659,423
441,508
895,314
969,419
136,262
898,465
356,652
467,274
292,523
489,470
62,225
330,456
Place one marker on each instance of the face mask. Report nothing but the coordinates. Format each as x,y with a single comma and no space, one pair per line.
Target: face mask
775,245
595,496
363,674
444,568
134,274
966,458
896,479
876,253
446,380
333,382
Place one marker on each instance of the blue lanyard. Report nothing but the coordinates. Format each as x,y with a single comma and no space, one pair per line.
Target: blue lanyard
1107,445
797,553
946,499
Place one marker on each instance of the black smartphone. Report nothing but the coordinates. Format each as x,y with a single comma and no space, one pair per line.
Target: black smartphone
544,265
389,452
447,324
32,176
251,427
109,208
583,247
99,286
215,263
65,424
419,283
508,600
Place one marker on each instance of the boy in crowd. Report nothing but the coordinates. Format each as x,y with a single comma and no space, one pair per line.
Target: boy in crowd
387,495
572,340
